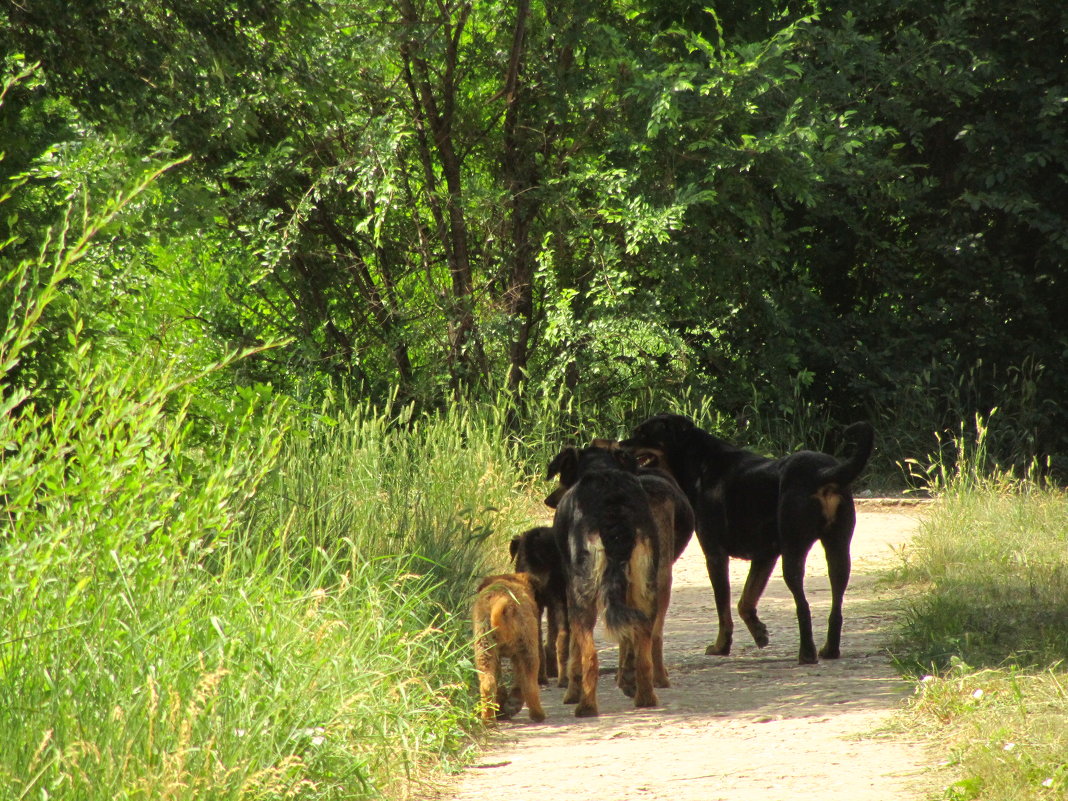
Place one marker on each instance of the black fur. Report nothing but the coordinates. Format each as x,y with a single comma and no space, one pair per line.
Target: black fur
674,521
751,507
605,509
535,551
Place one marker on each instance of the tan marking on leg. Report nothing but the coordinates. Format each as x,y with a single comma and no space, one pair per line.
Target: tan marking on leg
587,705
641,590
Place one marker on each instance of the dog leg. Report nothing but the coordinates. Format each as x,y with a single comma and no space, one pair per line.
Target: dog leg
574,672
550,669
489,672
563,650
755,584
509,703
718,564
625,671
663,599
645,695
793,572
582,640
526,682
543,676
838,569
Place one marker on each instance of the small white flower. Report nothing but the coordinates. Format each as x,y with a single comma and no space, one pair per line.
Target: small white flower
1008,746
240,732
926,679
315,735
1047,782
977,694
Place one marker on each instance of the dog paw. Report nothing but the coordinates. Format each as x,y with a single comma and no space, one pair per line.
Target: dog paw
537,717
646,699
807,659
830,653
571,697
586,711
715,649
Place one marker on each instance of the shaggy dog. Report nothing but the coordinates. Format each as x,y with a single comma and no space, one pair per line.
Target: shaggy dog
674,521
752,507
505,622
608,538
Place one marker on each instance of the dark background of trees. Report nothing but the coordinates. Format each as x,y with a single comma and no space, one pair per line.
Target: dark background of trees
803,212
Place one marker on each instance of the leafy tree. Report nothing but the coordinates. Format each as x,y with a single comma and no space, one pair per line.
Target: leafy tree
808,211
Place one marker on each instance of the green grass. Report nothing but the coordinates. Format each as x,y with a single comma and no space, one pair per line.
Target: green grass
1004,731
985,631
285,616
193,628
276,611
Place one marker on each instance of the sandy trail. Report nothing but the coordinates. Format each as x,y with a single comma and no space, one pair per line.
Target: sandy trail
751,726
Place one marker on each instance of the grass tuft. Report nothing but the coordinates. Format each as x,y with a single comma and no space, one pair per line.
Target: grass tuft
985,632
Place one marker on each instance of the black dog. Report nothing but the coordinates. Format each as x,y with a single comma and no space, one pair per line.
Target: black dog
606,533
751,507
534,551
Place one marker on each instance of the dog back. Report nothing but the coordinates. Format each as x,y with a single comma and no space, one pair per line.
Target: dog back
605,527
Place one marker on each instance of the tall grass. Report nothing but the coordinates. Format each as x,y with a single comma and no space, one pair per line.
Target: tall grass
986,626
277,614
993,560
362,483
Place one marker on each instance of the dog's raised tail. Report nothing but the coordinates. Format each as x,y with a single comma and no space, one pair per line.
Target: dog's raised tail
863,437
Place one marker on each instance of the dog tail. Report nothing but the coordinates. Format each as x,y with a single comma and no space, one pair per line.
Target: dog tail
863,437
628,587
618,616
503,616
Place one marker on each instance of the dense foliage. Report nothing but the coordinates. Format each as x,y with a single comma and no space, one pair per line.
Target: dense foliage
806,211
270,613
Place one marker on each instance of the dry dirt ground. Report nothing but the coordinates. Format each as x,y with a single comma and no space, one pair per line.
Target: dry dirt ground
751,726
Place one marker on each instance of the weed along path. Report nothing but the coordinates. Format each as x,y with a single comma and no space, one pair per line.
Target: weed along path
754,726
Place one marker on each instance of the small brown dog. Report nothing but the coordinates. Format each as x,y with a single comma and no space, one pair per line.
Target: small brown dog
505,621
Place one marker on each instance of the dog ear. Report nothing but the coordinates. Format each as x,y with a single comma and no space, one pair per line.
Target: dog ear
513,546
553,499
564,465
625,459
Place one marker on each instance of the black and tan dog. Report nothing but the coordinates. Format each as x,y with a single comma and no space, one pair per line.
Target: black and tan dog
505,622
606,533
674,521
535,552
751,507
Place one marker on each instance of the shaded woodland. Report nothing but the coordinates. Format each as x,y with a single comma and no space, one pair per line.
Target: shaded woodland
799,212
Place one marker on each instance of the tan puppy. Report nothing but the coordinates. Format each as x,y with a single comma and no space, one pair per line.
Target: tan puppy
505,620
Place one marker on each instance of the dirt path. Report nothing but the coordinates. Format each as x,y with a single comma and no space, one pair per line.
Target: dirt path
754,726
